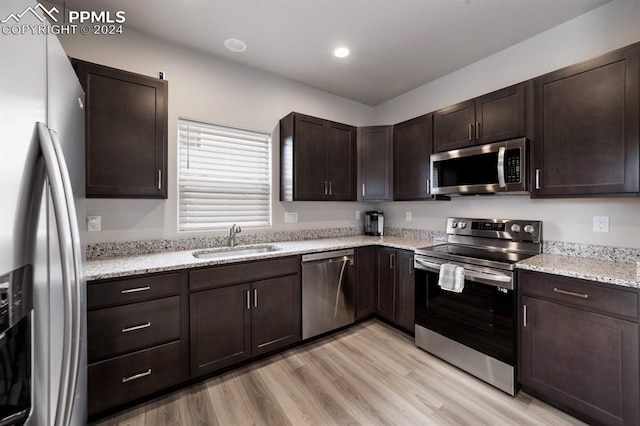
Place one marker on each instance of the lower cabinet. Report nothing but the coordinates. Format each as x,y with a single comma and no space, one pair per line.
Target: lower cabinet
232,322
365,281
396,287
579,347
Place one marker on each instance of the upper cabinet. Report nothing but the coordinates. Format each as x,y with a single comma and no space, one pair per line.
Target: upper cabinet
317,159
374,163
412,147
497,116
587,127
126,132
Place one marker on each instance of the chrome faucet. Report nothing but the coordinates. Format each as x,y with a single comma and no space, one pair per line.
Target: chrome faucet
233,231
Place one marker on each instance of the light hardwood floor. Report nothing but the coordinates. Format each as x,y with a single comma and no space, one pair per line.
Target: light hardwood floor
370,374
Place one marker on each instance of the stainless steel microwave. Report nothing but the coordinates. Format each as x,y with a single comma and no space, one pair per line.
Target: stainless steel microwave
499,167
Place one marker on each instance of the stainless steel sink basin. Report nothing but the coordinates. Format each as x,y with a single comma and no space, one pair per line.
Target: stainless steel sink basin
218,253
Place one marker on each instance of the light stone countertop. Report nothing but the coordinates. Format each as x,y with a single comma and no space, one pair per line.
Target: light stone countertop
174,260
604,271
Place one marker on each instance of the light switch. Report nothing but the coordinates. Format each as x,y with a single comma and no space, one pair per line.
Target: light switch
290,217
408,217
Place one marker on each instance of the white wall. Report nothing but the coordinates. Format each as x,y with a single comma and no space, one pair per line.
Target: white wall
218,91
613,25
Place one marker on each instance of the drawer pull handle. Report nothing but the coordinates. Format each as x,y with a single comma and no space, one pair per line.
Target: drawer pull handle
571,293
136,327
135,290
136,376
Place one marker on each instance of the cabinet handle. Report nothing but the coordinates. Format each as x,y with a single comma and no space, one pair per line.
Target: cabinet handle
325,187
524,313
159,179
470,131
135,290
248,300
330,191
537,178
136,376
477,130
428,186
571,293
392,258
136,327
411,268
363,189
255,297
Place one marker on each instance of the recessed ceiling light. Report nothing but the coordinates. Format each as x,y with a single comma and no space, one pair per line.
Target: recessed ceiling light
341,52
235,45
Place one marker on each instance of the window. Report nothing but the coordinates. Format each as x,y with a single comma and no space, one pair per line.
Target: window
224,177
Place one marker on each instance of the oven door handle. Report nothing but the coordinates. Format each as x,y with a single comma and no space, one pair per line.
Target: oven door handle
496,280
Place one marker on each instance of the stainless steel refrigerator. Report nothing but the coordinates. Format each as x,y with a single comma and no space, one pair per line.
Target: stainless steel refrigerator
42,286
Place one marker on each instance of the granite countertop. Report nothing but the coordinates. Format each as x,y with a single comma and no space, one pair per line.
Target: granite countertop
174,260
604,271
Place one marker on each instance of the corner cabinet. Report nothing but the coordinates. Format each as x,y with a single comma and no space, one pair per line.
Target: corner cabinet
579,347
374,163
412,148
317,159
125,132
587,135
493,117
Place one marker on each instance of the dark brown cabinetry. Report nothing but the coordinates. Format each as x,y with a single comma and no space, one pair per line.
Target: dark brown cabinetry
126,132
366,281
137,337
412,147
240,311
374,163
579,347
317,159
587,127
493,117
396,287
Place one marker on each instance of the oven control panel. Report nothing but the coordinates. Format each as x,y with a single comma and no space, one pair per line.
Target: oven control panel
505,229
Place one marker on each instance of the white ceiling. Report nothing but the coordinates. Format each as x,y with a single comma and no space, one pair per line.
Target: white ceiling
396,45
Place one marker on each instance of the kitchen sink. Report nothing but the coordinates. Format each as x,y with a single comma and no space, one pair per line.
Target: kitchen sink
222,252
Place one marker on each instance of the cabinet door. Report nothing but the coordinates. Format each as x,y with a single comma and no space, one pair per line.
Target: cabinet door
454,126
586,127
126,133
585,361
310,159
386,297
405,299
341,160
374,163
275,313
365,281
412,147
220,322
500,115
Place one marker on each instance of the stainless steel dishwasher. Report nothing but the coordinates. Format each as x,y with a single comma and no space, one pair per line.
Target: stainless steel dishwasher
327,291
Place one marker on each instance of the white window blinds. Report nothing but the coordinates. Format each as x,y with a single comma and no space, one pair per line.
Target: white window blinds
224,177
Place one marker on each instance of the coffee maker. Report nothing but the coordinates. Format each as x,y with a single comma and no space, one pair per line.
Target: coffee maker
374,223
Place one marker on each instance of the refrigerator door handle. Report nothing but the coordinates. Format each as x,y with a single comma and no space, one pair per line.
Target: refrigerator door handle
69,252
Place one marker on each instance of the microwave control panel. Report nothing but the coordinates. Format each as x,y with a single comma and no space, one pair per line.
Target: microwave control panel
512,166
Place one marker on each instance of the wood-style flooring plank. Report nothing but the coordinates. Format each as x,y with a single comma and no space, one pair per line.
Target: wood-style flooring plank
369,374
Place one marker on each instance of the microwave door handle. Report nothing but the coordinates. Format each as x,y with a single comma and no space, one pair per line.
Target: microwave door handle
501,180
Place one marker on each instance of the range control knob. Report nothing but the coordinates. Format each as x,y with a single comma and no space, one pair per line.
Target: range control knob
462,225
454,224
515,228
529,229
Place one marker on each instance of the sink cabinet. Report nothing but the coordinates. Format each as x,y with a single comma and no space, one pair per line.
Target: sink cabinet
241,311
579,347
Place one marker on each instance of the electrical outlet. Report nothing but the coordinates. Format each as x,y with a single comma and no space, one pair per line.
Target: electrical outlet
290,217
407,216
601,224
358,214
94,223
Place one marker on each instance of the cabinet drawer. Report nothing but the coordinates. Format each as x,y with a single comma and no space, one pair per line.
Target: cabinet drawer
579,293
114,331
242,273
118,292
128,377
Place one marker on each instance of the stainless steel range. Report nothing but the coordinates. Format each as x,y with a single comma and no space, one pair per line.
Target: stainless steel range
473,325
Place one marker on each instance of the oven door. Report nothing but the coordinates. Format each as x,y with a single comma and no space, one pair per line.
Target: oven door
481,317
